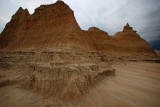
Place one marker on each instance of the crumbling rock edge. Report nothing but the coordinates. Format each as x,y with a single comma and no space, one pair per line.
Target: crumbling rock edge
63,74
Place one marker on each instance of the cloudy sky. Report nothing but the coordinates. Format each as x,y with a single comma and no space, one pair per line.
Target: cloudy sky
108,15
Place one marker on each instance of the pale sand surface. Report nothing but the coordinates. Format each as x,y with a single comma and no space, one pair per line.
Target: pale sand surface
10,96
157,52
136,84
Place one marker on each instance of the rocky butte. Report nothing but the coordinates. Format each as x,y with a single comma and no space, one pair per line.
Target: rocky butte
49,53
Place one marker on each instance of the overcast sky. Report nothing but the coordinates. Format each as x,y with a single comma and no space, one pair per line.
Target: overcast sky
108,15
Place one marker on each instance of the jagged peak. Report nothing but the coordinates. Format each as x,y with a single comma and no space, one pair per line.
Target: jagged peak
127,25
26,9
128,28
20,10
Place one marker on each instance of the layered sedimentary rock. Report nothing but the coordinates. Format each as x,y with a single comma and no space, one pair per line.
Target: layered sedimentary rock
61,73
49,26
122,43
56,58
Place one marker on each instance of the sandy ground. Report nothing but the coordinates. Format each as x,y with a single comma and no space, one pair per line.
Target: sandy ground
136,84
10,96
157,52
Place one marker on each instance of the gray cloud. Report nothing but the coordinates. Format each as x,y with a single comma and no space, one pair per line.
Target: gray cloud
152,29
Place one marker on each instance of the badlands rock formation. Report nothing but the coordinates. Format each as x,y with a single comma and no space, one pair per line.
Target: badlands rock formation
125,42
49,53
54,26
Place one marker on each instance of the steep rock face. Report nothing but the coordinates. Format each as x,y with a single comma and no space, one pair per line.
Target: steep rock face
49,26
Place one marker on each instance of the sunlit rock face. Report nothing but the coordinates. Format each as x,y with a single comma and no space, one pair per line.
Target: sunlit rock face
53,56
